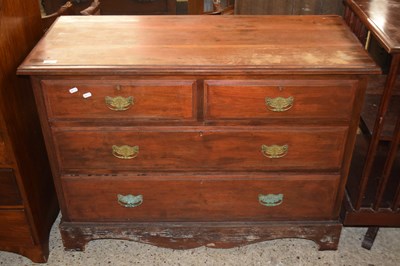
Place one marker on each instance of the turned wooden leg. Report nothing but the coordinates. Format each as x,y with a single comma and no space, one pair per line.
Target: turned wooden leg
369,237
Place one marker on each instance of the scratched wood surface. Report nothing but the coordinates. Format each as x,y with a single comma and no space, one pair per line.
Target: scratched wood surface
200,42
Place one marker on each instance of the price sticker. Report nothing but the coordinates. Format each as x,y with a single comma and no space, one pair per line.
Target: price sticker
87,95
73,90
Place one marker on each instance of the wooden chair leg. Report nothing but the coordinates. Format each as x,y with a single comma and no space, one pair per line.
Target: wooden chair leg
369,237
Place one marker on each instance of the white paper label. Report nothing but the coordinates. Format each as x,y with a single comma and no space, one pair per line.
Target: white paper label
73,90
48,61
87,95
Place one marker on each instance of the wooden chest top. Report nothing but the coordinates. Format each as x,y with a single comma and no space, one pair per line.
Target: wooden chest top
198,44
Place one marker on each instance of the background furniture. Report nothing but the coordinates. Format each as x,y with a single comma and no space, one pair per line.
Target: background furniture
68,8
288,7
223,141
118,7
92,9
199,7
373,189
28,204
65,9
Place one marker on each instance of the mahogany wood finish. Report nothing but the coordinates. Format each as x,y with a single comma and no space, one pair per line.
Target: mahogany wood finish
167,149
28,204
189,148
199,173
373,189
151,100
288,7
315,99
235,197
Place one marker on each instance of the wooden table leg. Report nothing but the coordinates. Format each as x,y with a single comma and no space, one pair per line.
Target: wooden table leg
369,237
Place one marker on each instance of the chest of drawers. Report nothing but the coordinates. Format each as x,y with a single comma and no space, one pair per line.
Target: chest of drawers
177,132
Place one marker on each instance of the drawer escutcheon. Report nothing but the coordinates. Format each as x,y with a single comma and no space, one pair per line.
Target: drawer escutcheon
119,103
274,151
279,104
270,200
130,201
125,152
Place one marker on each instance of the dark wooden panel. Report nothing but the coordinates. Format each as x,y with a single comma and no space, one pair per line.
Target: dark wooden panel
263,7
370,111
197,198
119,7
3,152
14,228
370,195
138,7
288,7
9,193
5,155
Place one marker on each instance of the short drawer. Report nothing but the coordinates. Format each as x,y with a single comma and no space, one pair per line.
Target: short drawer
9,192
218,149
135,100
14,228
291,99
200,198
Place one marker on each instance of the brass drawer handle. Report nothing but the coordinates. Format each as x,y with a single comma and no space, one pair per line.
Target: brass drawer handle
119,103
270,200
279,104
125,152
130,201
274,151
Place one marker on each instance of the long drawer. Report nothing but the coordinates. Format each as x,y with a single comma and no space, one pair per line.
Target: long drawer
14,228
108,99
200,198
279,99
182,149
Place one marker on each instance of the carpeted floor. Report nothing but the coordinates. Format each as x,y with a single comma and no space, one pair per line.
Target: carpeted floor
282,252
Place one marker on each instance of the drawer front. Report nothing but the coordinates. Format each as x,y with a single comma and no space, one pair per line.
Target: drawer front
14,228
200,198
193,149
5,158
135,100
9,192
292,99
3,153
